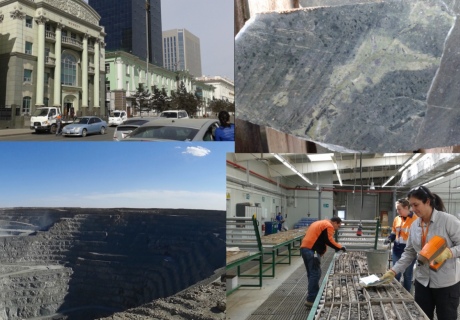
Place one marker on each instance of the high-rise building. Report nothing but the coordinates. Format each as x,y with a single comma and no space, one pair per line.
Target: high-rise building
125,25
181,51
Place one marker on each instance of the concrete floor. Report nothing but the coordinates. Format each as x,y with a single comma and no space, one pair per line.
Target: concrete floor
243,302
281,297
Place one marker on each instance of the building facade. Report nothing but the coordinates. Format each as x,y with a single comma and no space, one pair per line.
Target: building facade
205,92
125,72
125,25
224,88
51,54
181,51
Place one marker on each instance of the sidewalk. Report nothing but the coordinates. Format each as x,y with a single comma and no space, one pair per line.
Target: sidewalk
14,132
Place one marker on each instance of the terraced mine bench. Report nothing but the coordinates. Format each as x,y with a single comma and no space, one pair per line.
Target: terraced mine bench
272,243
243,232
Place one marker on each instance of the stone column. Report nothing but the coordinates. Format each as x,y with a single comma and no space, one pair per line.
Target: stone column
133,81
84,72
57,68
97,82
119,64
40,89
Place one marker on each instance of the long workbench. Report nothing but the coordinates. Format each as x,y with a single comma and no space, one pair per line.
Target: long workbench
243,234
272,243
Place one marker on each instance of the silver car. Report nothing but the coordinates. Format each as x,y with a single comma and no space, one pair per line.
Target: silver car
129,125
174,129
85,125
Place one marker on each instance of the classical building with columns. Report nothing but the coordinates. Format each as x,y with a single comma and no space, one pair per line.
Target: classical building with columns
225,88
51,54
125,72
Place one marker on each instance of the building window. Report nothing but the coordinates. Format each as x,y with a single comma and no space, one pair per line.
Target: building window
26,104
48,27
69,70
47,55
47,76
107,86
29,22
107,68
28,47
27,75
46,101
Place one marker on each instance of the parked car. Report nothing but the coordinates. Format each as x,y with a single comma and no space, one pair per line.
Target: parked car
85,125
176,114
173,129
122,130
117,117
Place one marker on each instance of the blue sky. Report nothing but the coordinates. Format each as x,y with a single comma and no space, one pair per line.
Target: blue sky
210,20
106,175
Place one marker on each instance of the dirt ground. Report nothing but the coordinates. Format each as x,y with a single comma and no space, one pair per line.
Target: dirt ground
204,301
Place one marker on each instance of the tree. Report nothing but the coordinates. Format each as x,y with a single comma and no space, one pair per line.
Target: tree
159,99
218,105
142,97
181,99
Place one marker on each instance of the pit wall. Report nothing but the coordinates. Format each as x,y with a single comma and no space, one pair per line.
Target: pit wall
120,260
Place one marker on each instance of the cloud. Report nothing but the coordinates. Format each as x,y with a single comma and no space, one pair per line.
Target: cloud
197,151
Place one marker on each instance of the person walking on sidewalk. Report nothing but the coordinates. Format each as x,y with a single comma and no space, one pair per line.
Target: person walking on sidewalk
58,124
319,235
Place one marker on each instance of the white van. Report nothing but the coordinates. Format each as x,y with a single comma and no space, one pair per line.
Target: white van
174,114
117,117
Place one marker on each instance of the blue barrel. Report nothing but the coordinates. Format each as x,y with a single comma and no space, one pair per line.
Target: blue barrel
268,228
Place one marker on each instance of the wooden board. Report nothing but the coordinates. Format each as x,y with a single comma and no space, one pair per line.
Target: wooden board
232,256
280,237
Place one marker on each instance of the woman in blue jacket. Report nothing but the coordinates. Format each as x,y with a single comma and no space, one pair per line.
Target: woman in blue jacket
226,131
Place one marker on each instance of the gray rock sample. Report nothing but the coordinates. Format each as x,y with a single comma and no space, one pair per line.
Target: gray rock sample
352,77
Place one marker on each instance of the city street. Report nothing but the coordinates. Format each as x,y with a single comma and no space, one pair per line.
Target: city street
23,135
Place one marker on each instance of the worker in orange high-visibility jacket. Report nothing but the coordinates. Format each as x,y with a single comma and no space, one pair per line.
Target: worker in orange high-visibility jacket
319,235
399,235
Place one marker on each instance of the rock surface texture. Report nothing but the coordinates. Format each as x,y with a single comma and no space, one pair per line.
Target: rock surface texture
91,263
205,301
372,76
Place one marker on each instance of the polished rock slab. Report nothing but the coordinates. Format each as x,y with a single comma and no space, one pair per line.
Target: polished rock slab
350,77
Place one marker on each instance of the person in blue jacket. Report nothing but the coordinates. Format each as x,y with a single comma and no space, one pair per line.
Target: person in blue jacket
280,220
226,131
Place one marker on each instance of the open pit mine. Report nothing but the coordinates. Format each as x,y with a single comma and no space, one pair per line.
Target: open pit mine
75,263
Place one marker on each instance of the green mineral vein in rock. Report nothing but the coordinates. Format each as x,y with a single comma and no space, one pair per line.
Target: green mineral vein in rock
356,76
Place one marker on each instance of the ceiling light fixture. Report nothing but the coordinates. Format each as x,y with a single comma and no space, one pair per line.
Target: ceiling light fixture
290,166
404,166
320,156
337,169
386,182
433,181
